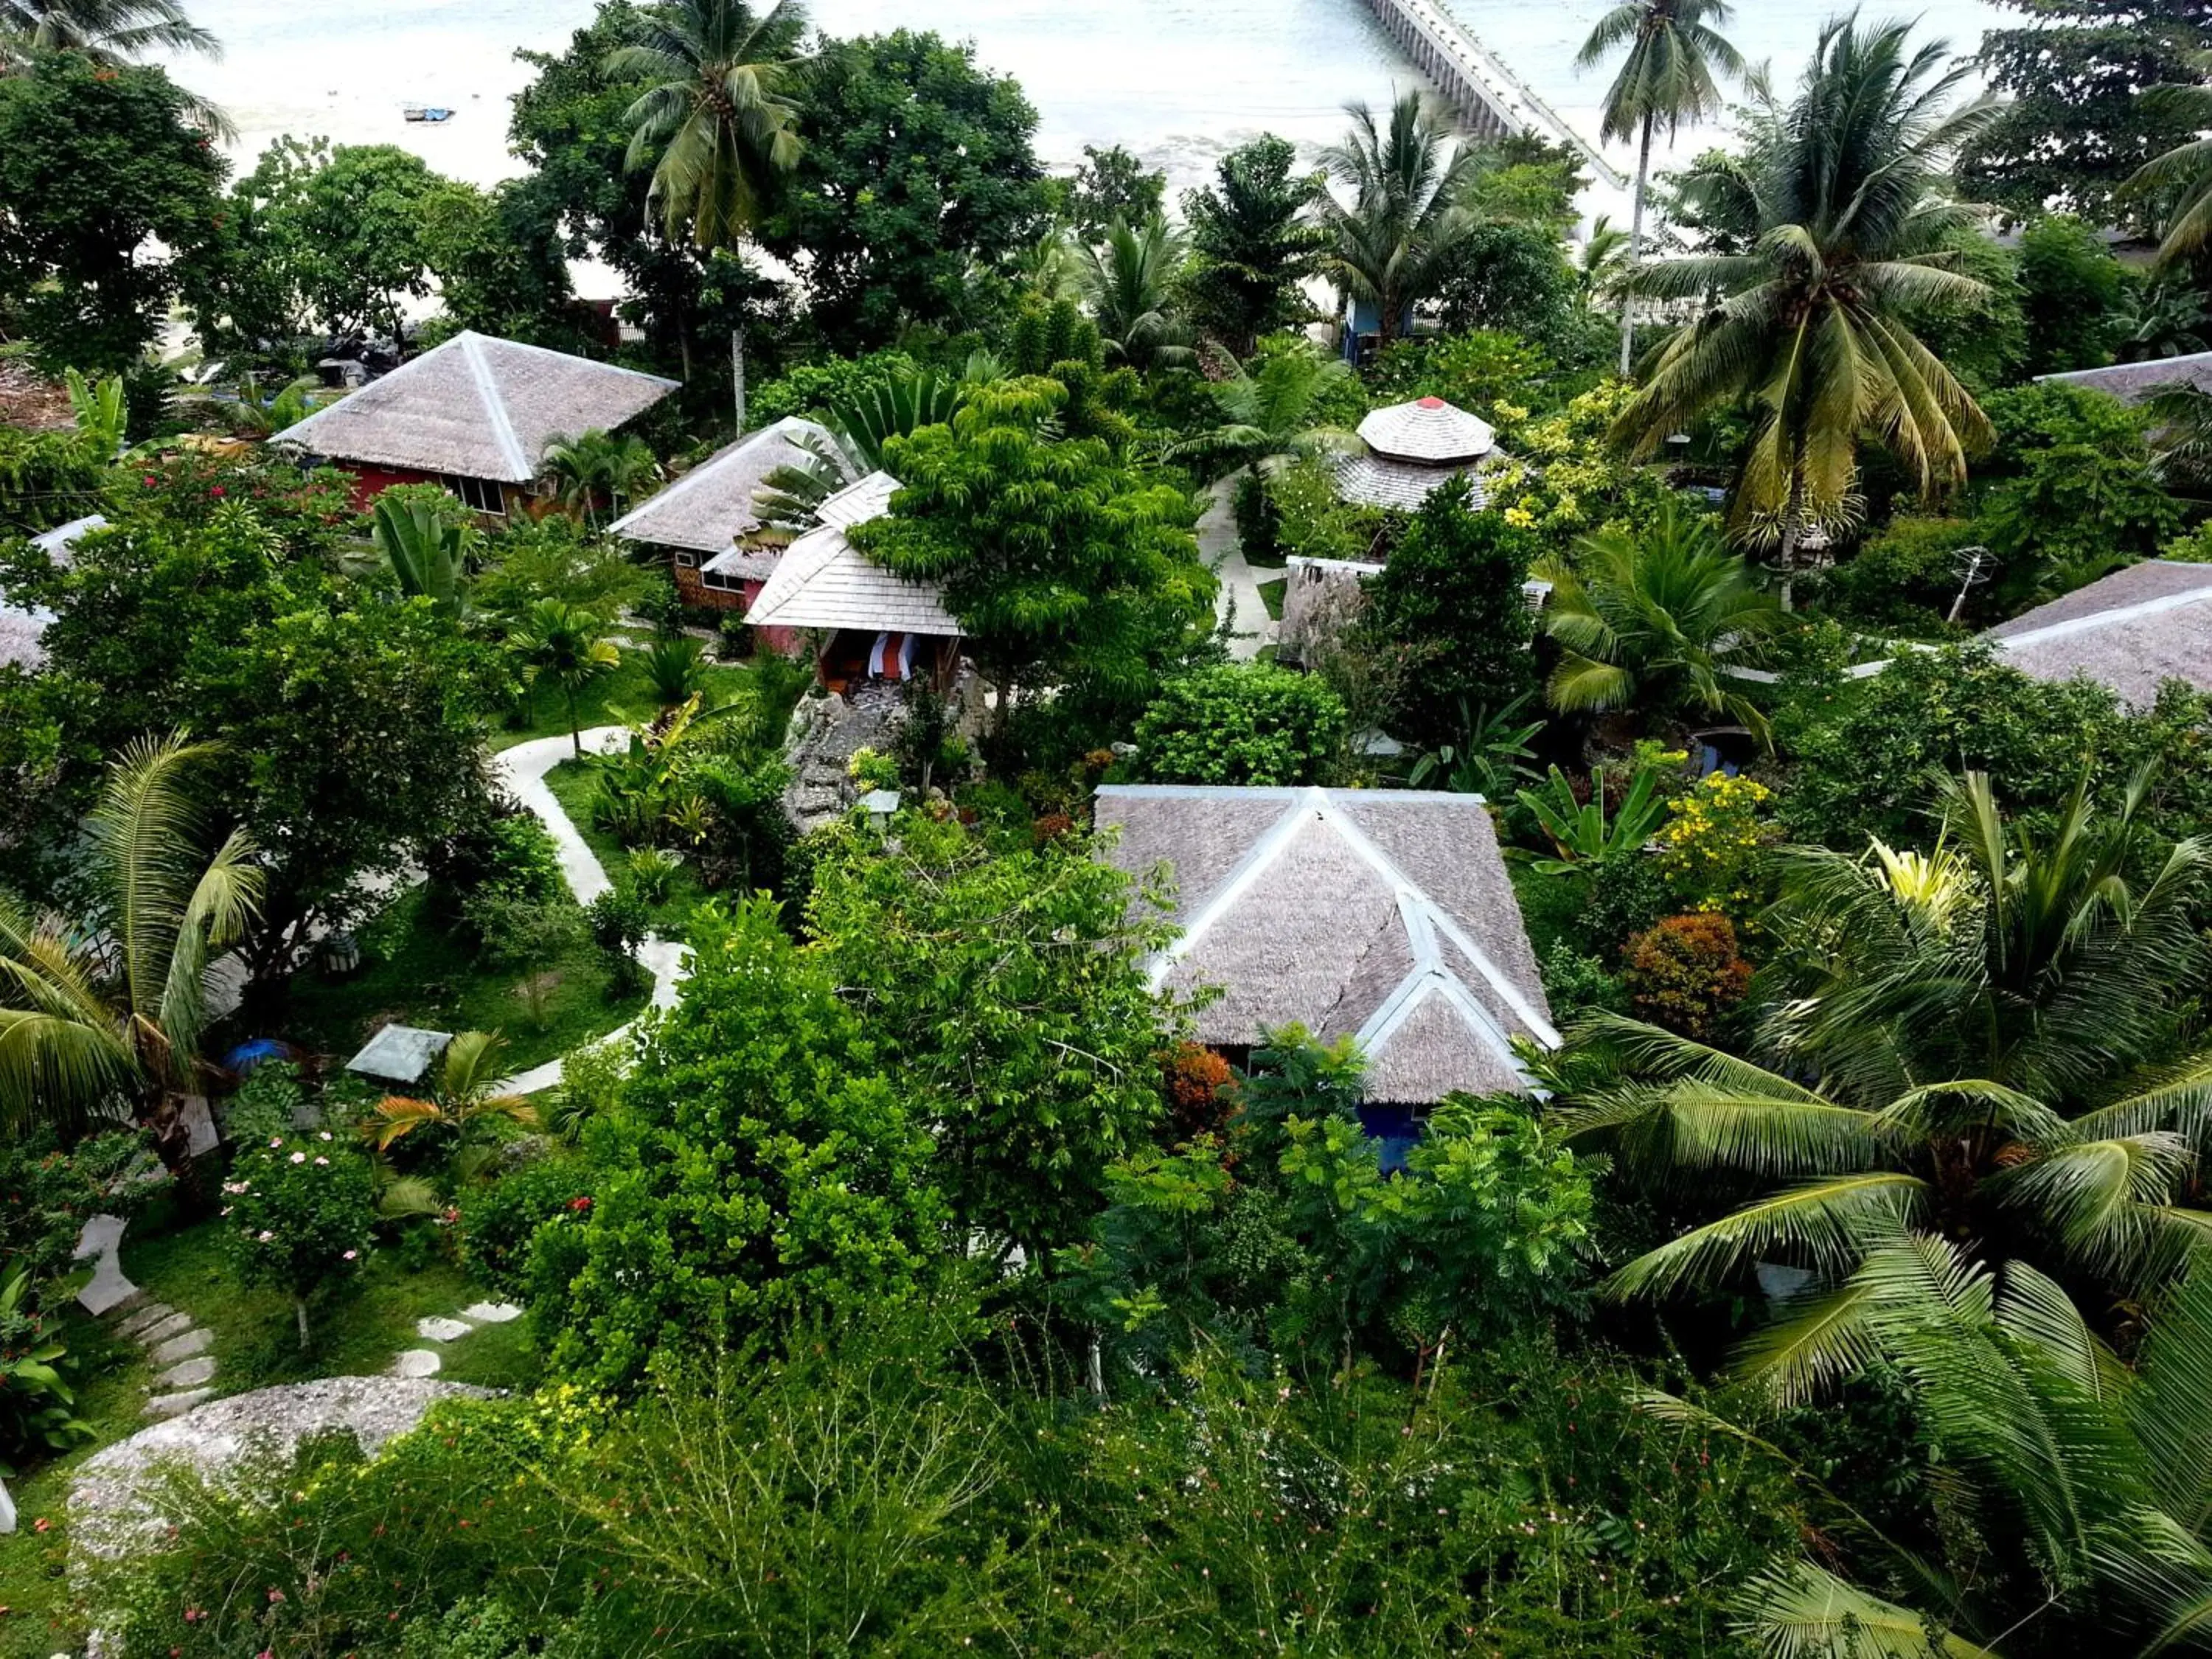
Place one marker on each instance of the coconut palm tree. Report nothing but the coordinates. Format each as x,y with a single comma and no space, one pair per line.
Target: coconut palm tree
559,643
1667,77
1268,411
111,32
1835,219
1395,240
1128,282
1656,619
1969,1046
2181,178
596,467
719,124
104,1017
2086,1483
1604,255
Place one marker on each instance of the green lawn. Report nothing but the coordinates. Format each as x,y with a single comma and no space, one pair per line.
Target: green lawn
1271,595
256,1344
573,784
416,973
616,698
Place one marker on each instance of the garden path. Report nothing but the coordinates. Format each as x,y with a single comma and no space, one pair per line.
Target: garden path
522,771
1219,546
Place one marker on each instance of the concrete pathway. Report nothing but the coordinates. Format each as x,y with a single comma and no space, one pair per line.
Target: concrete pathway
1217,544
521,771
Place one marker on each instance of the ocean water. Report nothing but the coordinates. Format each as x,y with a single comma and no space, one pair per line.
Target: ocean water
1177,81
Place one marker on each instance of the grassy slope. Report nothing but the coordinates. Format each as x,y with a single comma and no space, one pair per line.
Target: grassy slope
256,1344
424,977
574,783
1271,595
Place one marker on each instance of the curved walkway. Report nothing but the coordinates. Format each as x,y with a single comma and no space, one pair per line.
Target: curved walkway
521,771
1219,546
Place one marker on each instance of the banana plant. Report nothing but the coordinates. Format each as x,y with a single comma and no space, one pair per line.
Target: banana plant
1581,834
429,549
98,405
34,1400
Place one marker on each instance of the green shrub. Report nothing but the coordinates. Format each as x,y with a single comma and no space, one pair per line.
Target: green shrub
759,1164
299,1208
1314,521
1258,523
1687,974
500,1218
47,1193
1906,575
1242,723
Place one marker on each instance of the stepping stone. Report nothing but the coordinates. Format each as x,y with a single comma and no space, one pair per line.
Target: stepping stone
171,1405
435,1329
109,1289
417,1362
182,1348
189,1375
490,1313
144,1319
161,1330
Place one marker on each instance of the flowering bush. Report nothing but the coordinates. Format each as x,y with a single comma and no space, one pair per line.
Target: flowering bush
1686,973
300,1207
1565,477
1712,847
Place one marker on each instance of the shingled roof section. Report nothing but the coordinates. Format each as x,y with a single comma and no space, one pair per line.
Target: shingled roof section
2132,631
822,580
476,407
2132,383
1383,914
710,506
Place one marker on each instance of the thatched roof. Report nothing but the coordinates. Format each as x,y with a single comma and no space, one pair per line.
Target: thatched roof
476,407
1386,915
822,580
1399,486
710,506
2132,631
23,627
1428,431
2131,383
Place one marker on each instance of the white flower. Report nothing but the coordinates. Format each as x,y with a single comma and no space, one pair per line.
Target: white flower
264,1235
276,1140
326,1135
324,1162
350,1255
301,1157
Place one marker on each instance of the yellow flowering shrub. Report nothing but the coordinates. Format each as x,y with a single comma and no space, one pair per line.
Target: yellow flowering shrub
1712,848
1564,475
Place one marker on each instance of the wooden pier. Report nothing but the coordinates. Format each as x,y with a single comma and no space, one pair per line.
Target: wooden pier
1489,97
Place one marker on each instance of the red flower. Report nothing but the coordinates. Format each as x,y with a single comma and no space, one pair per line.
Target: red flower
214,489
580,1204
41,1524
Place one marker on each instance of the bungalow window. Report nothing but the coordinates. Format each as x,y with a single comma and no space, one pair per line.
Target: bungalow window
686,560
719,579
483,494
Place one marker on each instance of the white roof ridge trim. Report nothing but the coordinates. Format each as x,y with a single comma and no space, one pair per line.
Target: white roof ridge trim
1257,857
707,468
2101,619
502,428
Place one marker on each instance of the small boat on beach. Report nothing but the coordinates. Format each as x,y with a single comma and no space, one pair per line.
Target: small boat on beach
426,113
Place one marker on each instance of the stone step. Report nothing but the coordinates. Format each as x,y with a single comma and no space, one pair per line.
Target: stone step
183,1347
144,1316
190,1374
490,1313
176,1324
417,1362
435,1329
172,1405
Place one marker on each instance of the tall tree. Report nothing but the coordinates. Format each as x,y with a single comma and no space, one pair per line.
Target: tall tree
110,1011
916,175
1128,282
1666,79
109,34
719,124
1839,222
1112,184
2076,127
1058,560
106,191
1395,240
1250,245
1271,410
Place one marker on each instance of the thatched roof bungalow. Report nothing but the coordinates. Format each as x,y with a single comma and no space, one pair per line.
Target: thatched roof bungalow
2132,631
700,519
1409,450
475,414
1386,915
875,626
2135,383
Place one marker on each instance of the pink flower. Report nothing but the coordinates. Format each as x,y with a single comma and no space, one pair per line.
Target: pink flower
276,1595
301,1157
276,1140
324,1162
214,489
350,1255
42,1525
